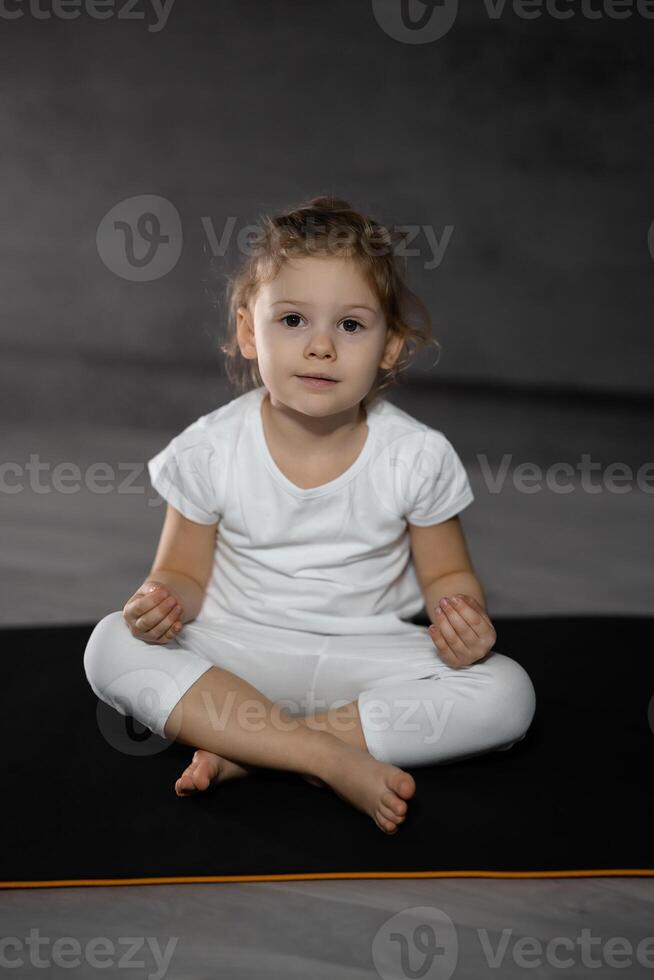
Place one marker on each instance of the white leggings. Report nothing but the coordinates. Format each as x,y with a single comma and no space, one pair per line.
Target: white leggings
414,709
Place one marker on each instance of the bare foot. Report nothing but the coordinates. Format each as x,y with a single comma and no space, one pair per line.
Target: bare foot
207,769
377,788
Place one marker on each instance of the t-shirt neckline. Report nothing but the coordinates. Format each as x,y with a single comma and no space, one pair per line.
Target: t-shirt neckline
331,485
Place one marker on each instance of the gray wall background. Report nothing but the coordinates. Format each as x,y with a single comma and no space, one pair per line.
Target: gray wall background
531,138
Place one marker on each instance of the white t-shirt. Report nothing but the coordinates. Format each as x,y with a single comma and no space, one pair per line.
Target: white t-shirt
329,559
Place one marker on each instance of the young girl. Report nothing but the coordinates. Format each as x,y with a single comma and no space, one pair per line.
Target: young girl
308,520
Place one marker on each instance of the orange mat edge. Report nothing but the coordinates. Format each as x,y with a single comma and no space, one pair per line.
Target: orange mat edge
214,879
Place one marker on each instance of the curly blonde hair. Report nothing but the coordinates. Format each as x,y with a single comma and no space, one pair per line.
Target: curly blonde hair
344,232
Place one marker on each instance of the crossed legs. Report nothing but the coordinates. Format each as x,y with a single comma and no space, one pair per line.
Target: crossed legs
230,721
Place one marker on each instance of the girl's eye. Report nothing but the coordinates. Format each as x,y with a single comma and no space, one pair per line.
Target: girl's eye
288,316
296,316
357,323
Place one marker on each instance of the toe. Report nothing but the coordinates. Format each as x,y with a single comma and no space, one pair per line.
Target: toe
200,778
392,802
388,826
404,785
388,814
180,788
383,822
187,782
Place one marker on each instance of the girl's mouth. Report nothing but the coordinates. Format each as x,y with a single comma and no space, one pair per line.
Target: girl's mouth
317,382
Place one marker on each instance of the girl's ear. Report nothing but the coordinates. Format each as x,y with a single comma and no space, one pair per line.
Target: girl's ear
392,350
245,333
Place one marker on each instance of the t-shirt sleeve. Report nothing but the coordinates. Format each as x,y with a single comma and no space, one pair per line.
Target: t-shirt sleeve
186,474
438,482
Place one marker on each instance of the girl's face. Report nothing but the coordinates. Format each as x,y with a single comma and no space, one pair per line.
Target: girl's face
318,316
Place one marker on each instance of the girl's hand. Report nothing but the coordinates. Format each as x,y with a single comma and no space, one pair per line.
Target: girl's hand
153,614
463,633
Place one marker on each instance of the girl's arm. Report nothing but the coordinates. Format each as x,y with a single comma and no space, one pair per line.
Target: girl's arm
442,563
184,560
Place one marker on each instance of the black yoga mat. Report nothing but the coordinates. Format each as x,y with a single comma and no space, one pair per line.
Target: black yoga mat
88,795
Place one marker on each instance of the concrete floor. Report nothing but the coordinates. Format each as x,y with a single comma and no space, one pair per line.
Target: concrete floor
71,554
342,930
